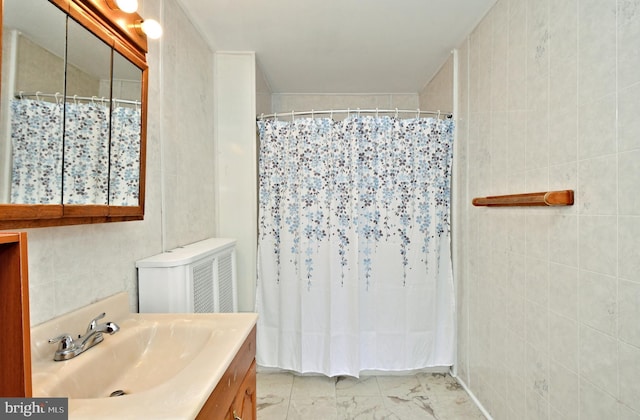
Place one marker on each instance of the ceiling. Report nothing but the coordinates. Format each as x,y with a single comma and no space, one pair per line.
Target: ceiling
340,46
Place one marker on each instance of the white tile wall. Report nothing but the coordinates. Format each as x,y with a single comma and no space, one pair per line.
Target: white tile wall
263,92
438,95
187,129
549,97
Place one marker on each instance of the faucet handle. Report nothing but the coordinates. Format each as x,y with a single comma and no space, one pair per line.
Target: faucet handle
94,322
65,340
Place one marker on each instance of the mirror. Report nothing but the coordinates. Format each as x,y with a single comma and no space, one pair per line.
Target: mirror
124,165
31,143
86,118
72,114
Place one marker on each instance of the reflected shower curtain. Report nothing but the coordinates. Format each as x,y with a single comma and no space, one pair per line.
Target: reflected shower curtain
36,140
124,182
354,267
86,153
89,173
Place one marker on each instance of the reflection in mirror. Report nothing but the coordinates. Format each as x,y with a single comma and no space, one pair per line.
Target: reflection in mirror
31,103
124,182
87,114
72,143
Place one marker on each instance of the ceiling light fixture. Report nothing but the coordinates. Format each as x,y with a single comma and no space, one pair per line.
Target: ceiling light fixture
127,6
149,27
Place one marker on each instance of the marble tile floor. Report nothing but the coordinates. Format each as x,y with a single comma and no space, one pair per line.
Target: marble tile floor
285,396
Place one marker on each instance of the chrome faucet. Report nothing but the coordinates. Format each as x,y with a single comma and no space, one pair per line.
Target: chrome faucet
70,348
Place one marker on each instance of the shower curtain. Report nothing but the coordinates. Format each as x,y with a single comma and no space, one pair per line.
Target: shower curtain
354,268
36,139
124,182
86,154
38,173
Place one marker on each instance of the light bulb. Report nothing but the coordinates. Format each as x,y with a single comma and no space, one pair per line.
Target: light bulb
151,28
127,6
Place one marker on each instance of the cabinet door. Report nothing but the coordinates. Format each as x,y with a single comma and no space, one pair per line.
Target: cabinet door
244,404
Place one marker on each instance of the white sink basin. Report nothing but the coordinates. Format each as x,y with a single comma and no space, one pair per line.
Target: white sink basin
142,355
165,364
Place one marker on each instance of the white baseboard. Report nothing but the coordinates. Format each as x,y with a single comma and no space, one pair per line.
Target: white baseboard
473,397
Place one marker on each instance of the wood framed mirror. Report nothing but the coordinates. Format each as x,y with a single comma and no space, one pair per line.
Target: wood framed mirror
73,104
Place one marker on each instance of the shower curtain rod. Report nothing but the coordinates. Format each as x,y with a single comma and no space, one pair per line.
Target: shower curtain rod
355,111
38,95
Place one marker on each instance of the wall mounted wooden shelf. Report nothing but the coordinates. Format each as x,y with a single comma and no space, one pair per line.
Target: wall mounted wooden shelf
544,198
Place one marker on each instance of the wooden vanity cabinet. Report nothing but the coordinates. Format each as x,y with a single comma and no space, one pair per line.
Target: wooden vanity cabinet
15,341
234,398
244,403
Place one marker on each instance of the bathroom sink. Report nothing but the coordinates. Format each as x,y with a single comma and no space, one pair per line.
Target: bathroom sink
142,355
157,366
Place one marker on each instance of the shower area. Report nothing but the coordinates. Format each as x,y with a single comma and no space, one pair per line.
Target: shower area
365,283
354,267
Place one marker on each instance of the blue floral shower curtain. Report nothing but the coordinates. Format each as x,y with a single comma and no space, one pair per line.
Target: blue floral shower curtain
86,154
354,261
92,168
36,139
124,182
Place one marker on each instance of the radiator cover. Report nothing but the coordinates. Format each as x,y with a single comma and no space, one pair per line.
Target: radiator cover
195,278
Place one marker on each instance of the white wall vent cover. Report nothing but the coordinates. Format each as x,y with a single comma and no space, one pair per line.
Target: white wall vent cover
195,278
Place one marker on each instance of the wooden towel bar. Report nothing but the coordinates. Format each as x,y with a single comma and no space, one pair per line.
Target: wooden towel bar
544,198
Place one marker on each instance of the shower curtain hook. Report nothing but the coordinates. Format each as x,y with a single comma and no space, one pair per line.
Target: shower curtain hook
418,113
262,117
331,114
358,114
293,118
348,112
275,116
57,98
38,95
22,94
75,99
376,112
438,116
396,112
312,116
93,100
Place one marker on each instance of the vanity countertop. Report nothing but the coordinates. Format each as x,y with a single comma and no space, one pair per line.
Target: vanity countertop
168,379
